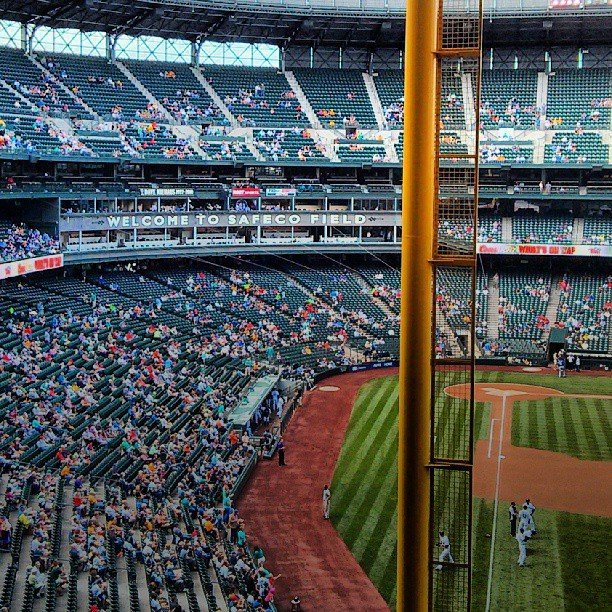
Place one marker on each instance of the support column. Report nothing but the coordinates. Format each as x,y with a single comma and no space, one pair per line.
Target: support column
416,327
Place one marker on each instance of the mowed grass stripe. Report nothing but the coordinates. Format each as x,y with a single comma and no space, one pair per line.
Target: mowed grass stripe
574,446
356,495
361,457
600,421
585,431
553,426
482,421
372,538
364,416
562,440
383,569
371,391
604,417
377,519
595,429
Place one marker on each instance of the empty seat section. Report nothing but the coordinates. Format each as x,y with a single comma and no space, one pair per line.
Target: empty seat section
509,99
505,154
103,87
362,153
257,97
542,229
598,229
569,147
523,299
580,96
178,90
390,88
42,90
337,95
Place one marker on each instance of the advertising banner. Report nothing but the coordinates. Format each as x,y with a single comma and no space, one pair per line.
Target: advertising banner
26,266
280,192
577,250
246,192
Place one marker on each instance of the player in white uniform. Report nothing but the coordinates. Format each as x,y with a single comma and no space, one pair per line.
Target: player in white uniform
525,521
531,508
326,501
522,544
444,546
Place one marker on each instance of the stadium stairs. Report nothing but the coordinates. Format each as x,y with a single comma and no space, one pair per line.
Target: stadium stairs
553,305
303,100
507,230
492,311
578,233
443,327
542,92
374,100
144,91
215,97
470,103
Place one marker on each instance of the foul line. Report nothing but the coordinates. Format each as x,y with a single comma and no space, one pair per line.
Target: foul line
491,437
496,506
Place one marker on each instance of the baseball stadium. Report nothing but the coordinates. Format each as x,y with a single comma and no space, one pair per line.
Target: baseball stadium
305,305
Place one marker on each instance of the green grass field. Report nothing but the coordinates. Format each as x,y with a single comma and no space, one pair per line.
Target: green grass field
578,427
364,508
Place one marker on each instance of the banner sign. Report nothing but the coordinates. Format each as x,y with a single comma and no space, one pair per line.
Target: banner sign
166,192
280,192
26,266
577,250
246,192
131,221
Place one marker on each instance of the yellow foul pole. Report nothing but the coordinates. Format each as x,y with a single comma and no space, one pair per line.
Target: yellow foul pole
416,311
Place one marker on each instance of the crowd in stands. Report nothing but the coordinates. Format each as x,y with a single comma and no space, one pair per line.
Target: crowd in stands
256,99
394,114
493,153
511,115
19,242
521,310
585,308
455,229
228,149
125,350
271,143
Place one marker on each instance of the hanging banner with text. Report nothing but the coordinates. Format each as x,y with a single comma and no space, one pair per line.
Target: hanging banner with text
576,250
27,266
75,223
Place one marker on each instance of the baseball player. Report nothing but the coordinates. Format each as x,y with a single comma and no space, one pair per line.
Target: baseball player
525,521
513,515
521,538
531,508
326,501
444,546
561,365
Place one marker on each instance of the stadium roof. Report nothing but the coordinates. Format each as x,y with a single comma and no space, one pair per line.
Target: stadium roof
326,23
